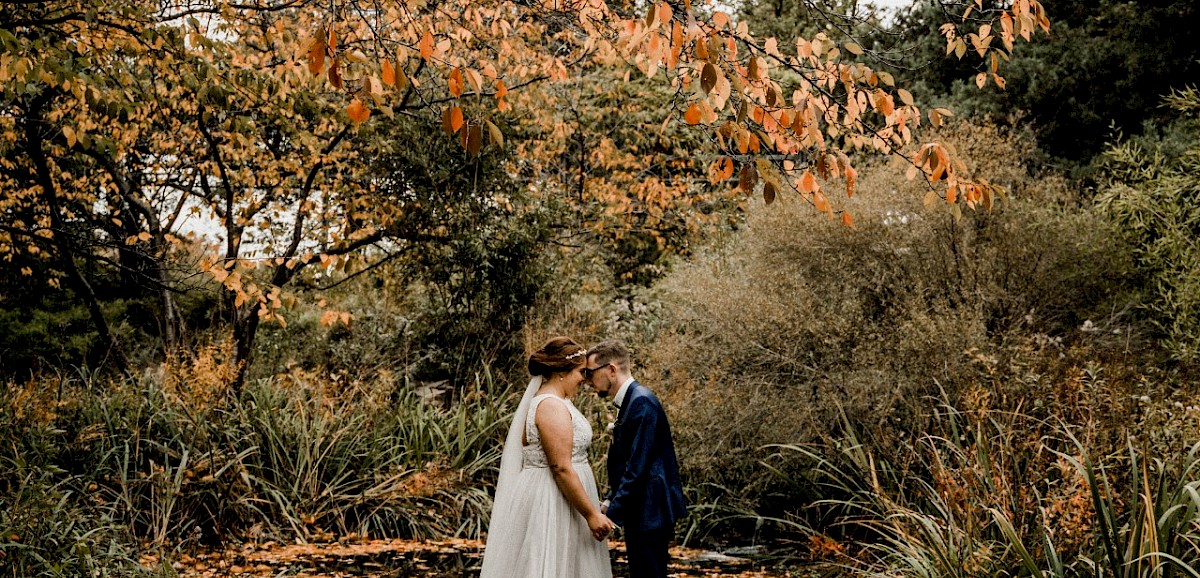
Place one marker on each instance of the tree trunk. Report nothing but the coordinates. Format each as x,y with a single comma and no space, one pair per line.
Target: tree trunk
245,328
35,128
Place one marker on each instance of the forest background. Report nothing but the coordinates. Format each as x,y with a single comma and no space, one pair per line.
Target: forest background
236,306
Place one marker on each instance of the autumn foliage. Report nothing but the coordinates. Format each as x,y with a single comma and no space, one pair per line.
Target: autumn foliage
126,120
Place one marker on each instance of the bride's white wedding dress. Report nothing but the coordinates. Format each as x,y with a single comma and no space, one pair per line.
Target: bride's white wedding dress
534,532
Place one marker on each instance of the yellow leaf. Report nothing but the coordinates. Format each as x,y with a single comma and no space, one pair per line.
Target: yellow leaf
494,134
358,113
905,96
475,79
981,79
999,80
854,49
70,134
143,236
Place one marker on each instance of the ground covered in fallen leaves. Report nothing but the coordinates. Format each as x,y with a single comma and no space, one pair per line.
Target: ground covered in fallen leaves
429,559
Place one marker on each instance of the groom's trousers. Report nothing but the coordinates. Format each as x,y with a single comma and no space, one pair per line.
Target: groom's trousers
648,552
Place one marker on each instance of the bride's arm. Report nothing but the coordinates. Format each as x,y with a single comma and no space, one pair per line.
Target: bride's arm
553,421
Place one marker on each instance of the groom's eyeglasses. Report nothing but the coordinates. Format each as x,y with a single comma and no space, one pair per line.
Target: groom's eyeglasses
588,372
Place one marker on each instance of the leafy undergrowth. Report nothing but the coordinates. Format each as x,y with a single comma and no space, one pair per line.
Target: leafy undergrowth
427,559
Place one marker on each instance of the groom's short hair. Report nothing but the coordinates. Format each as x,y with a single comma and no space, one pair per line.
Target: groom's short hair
611,351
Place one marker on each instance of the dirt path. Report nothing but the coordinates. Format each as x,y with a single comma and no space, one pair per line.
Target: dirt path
402,558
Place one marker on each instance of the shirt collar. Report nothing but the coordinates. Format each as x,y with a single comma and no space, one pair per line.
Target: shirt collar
620,397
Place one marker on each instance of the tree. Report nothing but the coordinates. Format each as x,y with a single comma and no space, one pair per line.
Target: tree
1106,65
123,119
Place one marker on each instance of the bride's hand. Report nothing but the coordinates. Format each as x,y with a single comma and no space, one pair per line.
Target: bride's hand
600,525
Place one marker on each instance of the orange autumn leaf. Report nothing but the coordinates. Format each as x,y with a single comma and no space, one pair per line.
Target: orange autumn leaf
692,116
725,168
808,183
821,203
389,73
452,119
426,46
316,56
474,139
455,83
358,113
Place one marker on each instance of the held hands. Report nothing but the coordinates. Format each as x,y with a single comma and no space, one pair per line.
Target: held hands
600,525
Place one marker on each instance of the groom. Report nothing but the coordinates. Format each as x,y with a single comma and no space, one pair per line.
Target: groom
645,495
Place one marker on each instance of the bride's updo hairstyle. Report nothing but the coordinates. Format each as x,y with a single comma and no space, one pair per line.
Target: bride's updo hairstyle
559,355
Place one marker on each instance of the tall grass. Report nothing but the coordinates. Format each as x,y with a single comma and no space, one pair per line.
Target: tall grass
91,470
991,502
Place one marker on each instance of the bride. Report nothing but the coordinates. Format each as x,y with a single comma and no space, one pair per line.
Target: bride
546,520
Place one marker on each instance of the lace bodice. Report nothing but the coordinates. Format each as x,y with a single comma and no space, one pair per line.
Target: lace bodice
534,456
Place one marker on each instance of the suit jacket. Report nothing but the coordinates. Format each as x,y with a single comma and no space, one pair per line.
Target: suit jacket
643,474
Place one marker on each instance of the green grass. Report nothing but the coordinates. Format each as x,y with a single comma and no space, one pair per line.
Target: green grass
92,474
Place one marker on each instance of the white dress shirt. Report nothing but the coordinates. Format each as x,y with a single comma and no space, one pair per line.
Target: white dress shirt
620,397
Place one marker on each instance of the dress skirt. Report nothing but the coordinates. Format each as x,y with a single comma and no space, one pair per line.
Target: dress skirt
548,538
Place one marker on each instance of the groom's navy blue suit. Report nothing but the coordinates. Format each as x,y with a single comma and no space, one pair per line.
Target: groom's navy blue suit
646,495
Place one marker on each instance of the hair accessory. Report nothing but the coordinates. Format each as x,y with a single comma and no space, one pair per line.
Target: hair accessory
577,354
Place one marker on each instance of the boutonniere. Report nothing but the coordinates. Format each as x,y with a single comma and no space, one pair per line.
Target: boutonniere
612,425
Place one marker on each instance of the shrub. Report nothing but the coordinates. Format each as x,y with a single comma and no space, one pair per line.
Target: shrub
1152,196
774,334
